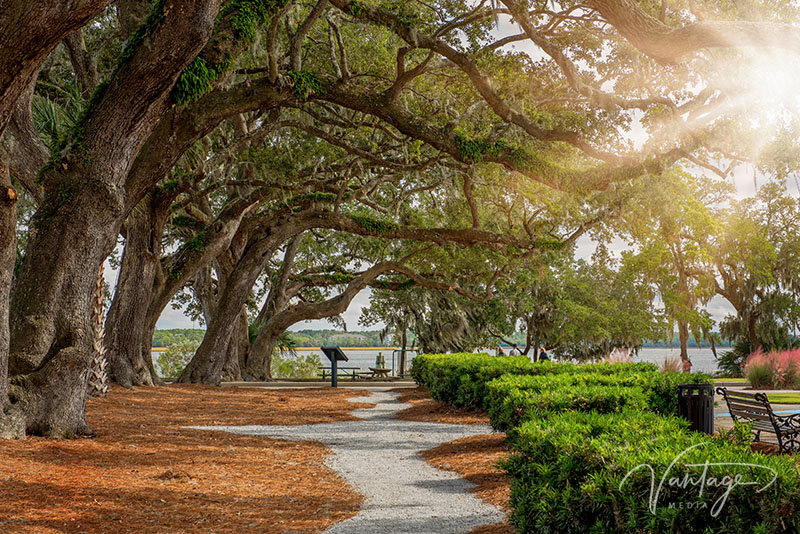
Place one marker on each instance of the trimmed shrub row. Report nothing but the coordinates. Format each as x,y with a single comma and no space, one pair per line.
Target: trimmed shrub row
510,406
592,443
461,379
569,476
512,399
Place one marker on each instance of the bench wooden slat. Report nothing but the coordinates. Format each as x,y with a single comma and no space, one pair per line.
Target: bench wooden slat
748,402
742,394
736,405
751,415
764,427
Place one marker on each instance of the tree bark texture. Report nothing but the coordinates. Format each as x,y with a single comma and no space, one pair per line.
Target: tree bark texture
28,153
206,366
238,348
683,336
11,424
30,31
667,44
80,216
126,323
259,357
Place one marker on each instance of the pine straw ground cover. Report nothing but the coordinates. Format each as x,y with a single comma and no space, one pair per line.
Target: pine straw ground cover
143,473
474,458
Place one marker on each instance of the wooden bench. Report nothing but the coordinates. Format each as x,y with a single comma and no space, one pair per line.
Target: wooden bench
754,408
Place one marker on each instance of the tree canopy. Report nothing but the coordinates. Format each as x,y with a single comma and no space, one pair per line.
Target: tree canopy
260,162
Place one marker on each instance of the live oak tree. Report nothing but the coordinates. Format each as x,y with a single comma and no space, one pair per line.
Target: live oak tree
437,76
674,227
79,216
755,261
29,34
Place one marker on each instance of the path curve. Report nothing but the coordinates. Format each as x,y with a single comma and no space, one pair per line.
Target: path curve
380,457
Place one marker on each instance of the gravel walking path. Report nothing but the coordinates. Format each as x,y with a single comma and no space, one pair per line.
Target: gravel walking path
379,456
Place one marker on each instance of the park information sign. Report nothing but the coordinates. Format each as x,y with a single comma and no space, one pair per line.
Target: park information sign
335,355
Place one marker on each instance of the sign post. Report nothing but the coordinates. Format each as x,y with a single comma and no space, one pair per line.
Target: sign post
335,355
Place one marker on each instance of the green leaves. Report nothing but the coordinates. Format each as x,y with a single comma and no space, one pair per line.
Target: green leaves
248,15
374,225
305,83
583,435
197,79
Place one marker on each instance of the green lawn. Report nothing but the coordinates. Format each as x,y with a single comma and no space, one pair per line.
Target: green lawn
784,398
737,380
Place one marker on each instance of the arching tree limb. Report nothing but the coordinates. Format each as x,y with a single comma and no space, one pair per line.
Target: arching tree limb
667,44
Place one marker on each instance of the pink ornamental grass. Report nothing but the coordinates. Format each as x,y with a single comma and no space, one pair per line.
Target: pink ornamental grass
619,355
670,365
774,369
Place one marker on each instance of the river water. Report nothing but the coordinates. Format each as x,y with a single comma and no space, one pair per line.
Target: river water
702,359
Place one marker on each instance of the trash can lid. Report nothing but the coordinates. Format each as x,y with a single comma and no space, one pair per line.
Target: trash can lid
687,388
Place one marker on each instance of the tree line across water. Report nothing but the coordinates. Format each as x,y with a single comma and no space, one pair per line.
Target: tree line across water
163,338
258,163
295,338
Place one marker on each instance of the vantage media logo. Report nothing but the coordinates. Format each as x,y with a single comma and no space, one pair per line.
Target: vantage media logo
701,480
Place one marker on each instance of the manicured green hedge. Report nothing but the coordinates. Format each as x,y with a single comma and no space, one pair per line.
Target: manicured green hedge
578,430
568,469
510,405
512,399
461,379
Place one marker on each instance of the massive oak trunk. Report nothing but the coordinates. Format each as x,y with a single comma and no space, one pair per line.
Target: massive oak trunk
238,349
209,360
11,424
79,218
126,323
51,331
260,357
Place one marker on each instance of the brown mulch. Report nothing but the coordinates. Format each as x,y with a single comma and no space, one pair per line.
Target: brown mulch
474,458
426,409
142,473
764,448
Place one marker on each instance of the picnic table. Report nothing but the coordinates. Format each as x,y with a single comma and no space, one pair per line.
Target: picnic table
340,371
379,372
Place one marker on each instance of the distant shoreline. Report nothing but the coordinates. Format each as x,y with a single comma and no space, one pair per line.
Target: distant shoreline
163,349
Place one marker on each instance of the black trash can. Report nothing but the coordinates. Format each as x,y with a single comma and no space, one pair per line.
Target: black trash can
696,404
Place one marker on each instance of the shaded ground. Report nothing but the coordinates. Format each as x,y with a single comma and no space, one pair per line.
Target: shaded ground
475,458
143,473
